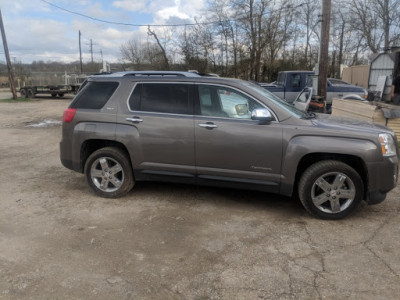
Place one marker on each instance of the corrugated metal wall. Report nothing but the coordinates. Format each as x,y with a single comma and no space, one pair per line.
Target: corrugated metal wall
382,65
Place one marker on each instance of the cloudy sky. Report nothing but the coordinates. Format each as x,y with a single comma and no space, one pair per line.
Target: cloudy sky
44,30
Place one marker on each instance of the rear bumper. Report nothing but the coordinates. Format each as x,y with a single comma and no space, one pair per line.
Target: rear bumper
67,163
66,157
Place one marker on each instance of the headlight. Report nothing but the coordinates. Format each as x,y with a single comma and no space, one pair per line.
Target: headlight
387,144
365,94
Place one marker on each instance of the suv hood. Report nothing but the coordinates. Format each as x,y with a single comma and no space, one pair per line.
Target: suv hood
340,123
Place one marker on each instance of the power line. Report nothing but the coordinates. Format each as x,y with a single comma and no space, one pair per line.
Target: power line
162,25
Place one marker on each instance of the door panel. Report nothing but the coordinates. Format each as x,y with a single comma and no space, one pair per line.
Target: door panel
235,148
162,142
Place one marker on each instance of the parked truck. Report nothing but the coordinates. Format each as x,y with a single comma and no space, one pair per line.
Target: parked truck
53,90
72,82
290,83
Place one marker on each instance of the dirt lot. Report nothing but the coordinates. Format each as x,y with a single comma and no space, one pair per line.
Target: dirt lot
163,241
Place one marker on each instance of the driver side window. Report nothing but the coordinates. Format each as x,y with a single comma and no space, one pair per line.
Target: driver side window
217,101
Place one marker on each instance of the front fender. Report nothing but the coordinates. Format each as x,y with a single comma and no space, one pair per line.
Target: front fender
300,146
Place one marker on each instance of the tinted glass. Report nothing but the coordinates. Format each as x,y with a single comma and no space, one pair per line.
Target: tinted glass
268,96
163,98
225,102
134,100
94,95
295,80
281,79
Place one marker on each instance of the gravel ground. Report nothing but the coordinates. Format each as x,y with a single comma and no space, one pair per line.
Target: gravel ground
163,241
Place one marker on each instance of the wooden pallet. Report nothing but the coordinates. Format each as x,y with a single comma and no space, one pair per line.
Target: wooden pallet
366,111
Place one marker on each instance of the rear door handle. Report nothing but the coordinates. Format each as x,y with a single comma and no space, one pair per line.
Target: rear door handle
208,125
134,120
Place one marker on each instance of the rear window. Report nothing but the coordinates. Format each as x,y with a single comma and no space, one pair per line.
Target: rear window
160,97
94,95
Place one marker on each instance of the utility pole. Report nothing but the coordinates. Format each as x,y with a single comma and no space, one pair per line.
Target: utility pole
80,51
324,48
9,67
386,23
91,49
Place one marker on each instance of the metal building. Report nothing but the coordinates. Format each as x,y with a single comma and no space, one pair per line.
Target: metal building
383,64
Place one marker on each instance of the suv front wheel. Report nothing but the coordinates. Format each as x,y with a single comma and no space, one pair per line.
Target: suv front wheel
330,189
109,173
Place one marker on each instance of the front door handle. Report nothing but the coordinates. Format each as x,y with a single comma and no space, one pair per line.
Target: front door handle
208,125
134,120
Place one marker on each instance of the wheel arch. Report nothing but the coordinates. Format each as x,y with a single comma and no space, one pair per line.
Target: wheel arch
353,161
89,146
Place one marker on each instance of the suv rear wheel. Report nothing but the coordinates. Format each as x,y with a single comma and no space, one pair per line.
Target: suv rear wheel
330,189
109,173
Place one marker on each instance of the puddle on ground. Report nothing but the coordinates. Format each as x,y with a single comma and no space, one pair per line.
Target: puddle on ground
44,123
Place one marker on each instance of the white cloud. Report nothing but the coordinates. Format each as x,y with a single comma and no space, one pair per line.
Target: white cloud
38,31
185,10
163,9
192,8
130,5
169,12
105,38
32,39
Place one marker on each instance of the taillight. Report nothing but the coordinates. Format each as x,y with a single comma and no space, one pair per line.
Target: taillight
69,114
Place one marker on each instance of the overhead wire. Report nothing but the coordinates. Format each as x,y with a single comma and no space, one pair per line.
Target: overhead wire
161,25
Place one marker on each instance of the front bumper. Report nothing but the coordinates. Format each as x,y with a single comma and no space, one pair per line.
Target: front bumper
382,178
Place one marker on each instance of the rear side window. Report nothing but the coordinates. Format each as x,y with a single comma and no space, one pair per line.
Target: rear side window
95,95
295,80
161,97
281,79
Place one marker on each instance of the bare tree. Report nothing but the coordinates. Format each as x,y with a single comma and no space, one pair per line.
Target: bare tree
309,19
164,53
378,21
278,30
142,54
254,39
198,48
226,26
252,22
342,38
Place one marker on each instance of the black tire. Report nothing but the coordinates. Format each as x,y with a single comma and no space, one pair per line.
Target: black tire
30,93
61,95
54,95
109,172
330,189
23,93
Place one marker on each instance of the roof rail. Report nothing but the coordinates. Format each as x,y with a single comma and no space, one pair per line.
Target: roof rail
156,74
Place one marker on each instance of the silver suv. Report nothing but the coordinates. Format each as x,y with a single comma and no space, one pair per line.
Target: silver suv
181,127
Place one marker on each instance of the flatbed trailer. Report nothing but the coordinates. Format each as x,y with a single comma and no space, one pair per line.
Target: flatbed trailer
53,90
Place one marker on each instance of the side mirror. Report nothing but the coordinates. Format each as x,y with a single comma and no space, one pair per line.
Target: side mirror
263,115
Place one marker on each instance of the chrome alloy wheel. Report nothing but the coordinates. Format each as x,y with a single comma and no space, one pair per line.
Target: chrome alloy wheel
107,174
333,192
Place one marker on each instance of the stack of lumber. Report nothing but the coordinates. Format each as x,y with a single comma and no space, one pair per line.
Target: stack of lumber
367,111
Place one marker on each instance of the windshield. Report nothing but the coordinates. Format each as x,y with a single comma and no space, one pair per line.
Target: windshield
272,97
